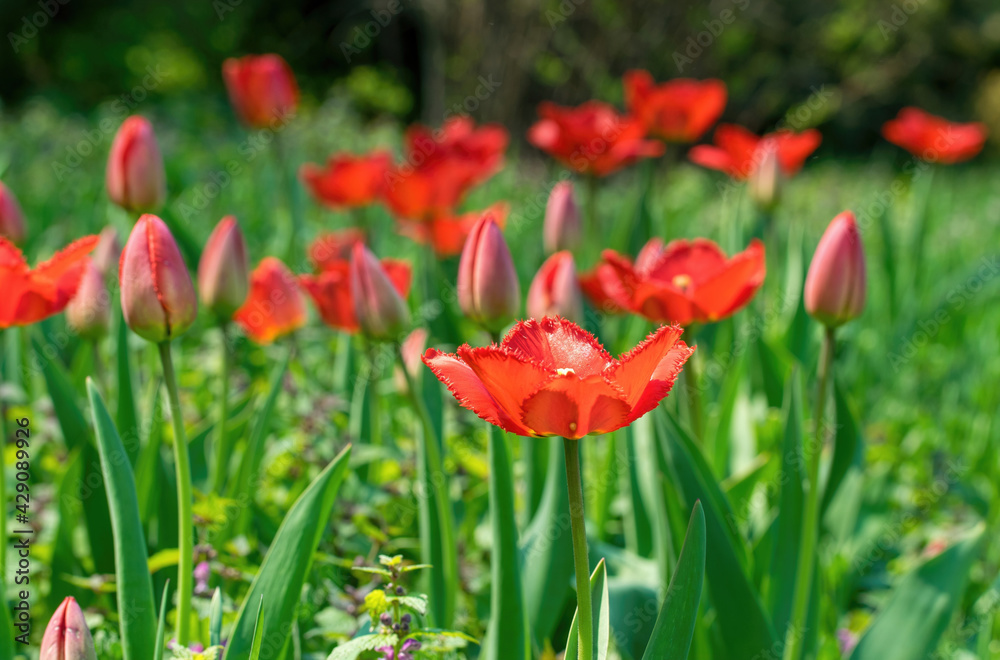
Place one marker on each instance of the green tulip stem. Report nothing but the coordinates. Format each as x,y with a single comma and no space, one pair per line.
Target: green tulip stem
220,463
584,607
692,380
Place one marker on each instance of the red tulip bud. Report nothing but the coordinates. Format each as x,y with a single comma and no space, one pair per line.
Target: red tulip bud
555,291
488,290
11,217
766,179
89,312
380,310
261,88
158,298
108,250
67,636
223,272
562,219
135,177
836,283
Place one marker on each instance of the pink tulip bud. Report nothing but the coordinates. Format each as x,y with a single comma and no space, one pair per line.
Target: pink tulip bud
555,291
12,225
135,177
836,283
562,219
766,178
223,272
488,290
158,298
381,312
89,312
67,636
262,89
108,250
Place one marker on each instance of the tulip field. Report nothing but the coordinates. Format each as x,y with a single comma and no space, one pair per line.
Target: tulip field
278,382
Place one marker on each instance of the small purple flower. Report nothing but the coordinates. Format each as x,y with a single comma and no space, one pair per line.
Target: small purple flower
388,653
406,651
202,572
847,641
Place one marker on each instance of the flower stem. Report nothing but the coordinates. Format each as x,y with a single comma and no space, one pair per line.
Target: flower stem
591,204
692,381
220,464
99,371
374,420
794,637
288,181
185,515
581,560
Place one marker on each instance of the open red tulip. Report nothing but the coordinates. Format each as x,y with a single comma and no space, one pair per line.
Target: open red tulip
30,295
679,110
933,138
262,89
739,153
447,234
348,181
685,282
275,305
330,290
551,377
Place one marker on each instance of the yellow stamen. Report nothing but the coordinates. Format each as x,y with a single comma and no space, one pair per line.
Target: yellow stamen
682,281
566,372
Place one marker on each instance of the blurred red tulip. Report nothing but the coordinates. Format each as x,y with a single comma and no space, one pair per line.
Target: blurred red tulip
223,271
262,89
561,229
592,138
12,225
679,110
686,282
89,311
334,247
739,153
67,636
330,289
30,295
933,138
447,235
135,178
836,285
378,305
551,377
595,285
158,298
275,306
488,289
555,290
348,181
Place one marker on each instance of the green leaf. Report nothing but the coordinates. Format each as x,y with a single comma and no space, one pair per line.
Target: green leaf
602,617
352,649
921,606
506,635
72,423
286,565
161,627
258,630
215,619
134,586
126,417
671,639
848,449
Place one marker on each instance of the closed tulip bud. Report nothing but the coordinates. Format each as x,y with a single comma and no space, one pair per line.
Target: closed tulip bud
223,272
262,89
158,298
135,177
836,284
766,179
108,250
382,313
488,290
12,225
555,291
89,312
67,636
562,219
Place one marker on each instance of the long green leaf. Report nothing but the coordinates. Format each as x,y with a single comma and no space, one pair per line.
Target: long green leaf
671,639
286,566
258,631
134,586
126,417
602,617
215,619
161,627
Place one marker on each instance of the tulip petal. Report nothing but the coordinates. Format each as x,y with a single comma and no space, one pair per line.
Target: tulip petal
734,286
509,379
573,407
633,370
555,343
662,380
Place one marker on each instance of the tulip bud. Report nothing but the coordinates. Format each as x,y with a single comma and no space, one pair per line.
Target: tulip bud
836,283
67,636
562,219
380,310
488,290
262,89
158,298
11,217
89,312
135,177
223,272
108,250
766,179
555,291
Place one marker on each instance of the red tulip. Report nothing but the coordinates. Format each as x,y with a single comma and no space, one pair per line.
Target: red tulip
562,229
158,298
595,285
261,88
30,295
108,250
447,235
330,289
933,138
67,636
348,181
679,110
738,152
836,283
592,138
275,305
89,311
555,290
551,377
12,226
687,281
488,289
333,248
223,271
380,309
135,177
